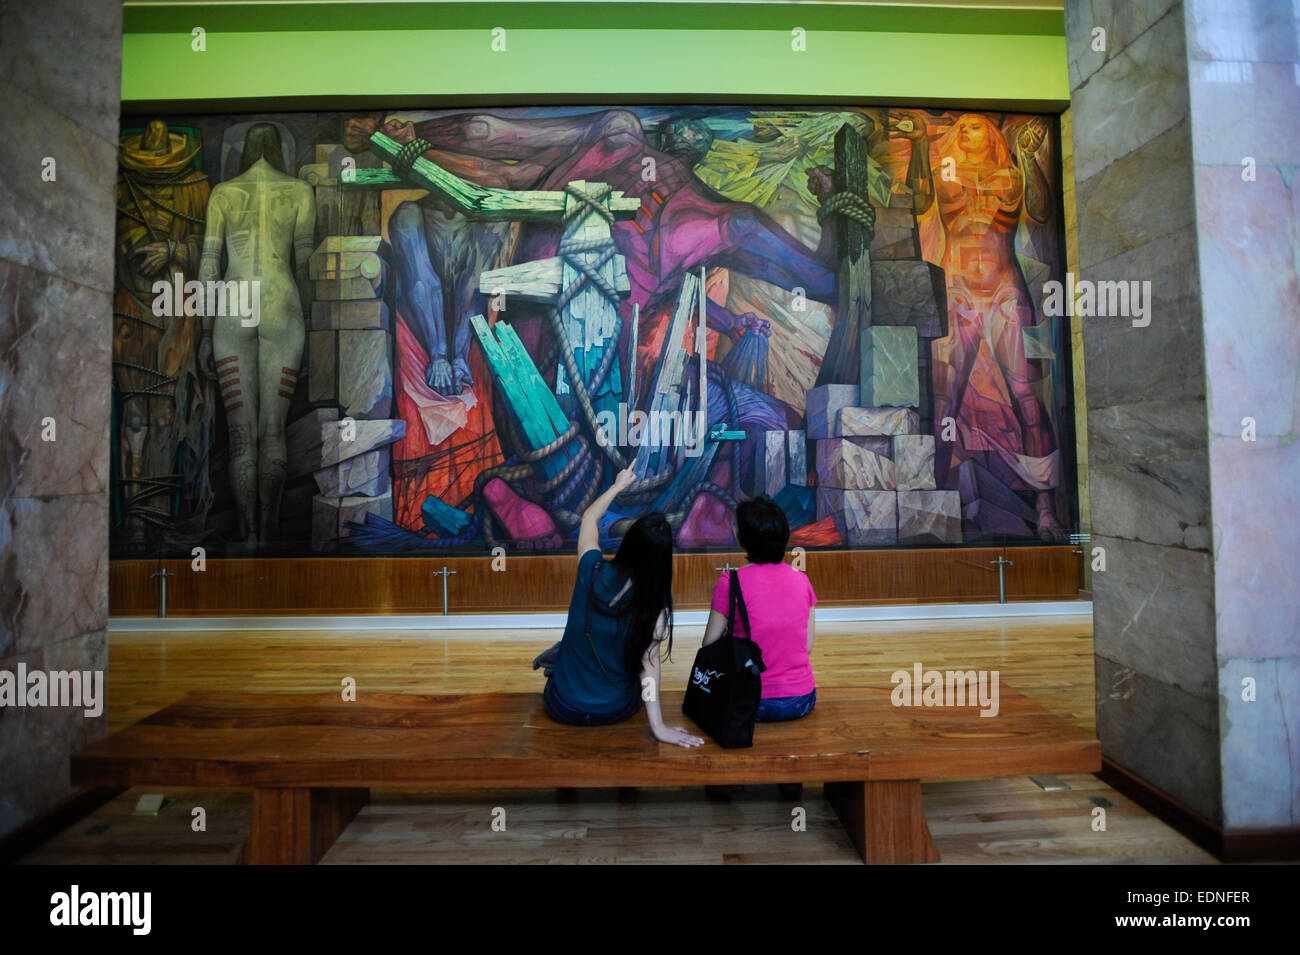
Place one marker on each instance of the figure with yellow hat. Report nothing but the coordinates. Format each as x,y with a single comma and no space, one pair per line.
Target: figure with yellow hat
164,405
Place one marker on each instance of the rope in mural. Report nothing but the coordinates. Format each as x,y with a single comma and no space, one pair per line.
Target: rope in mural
851,205
138,183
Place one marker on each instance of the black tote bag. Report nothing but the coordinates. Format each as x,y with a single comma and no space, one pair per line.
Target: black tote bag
726,686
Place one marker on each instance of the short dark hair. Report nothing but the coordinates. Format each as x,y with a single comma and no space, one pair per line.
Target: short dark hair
762,529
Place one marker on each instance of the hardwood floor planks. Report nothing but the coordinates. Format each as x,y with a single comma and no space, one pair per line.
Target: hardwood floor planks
1049,660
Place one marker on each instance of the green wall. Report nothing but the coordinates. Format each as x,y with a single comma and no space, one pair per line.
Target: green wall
263,55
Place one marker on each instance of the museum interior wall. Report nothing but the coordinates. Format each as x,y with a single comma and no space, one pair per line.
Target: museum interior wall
425,418
1185,506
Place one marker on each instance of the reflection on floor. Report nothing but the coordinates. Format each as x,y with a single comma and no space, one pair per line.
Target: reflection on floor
982,821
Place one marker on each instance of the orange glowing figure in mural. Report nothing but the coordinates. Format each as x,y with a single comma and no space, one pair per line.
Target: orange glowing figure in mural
969,190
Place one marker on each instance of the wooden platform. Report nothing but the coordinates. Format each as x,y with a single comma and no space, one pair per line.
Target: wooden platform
312,758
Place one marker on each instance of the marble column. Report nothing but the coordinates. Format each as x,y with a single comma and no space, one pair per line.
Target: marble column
1200,528
1244,81
60,82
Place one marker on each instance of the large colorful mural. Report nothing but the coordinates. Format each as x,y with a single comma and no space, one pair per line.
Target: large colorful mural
410,331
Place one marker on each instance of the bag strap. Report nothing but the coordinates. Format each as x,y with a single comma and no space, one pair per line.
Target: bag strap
731,607
755,667
738,600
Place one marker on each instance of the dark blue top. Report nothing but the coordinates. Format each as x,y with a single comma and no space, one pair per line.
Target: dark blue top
578,677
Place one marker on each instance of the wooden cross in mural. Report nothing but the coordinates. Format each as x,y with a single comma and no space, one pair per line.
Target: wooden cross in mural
584,282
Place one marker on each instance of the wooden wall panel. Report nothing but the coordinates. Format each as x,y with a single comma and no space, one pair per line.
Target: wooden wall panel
406,585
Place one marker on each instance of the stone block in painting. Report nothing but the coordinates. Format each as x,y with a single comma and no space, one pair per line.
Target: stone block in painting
888,373
823,406
863,518
929,517
908,292
363,475
341,441
894,237
769,463
349,267
304,437
861,422
360,313
353,370
331,515
845,463
796,466
344,212
914,462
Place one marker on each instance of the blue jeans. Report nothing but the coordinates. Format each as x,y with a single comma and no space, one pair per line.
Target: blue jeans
562,712
776,709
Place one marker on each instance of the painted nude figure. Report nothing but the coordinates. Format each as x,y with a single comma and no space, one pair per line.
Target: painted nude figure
978,185
265,219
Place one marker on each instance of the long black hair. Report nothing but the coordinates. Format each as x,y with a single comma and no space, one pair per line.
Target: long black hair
262,141
646,555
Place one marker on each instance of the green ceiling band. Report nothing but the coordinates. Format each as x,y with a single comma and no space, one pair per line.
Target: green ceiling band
325,55
827,17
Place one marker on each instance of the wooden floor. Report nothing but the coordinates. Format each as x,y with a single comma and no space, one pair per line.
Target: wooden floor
1049,659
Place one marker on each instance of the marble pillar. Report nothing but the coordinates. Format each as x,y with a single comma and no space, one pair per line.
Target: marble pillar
1194,193
60,81
1244,79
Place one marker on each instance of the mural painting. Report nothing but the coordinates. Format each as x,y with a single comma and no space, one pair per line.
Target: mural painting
418,331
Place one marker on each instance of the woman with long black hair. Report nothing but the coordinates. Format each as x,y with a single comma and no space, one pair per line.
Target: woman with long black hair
619,617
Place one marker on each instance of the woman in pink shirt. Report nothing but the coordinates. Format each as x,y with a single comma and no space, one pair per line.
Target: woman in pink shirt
780,602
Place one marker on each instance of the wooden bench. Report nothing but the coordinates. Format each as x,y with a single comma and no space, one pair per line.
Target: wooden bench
312,759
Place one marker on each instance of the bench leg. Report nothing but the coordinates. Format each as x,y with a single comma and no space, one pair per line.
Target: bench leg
296,826
885,820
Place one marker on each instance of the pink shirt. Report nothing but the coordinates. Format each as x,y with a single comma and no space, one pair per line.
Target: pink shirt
778,599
